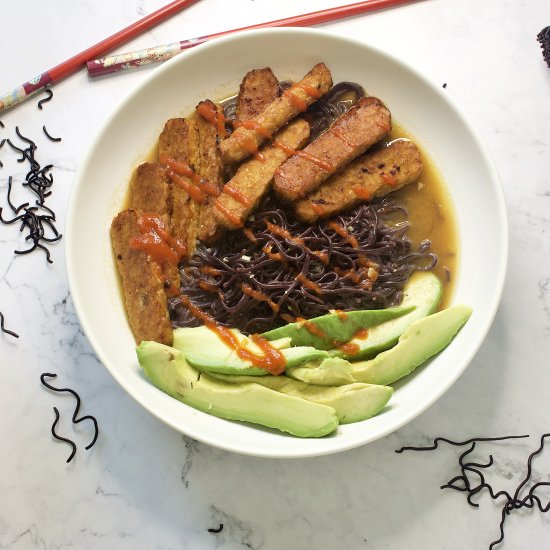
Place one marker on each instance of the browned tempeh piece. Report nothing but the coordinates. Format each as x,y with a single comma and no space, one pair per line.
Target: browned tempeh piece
375,174
180,141
367,122
243,141
146,303
151,192
258,89
211,169
254,177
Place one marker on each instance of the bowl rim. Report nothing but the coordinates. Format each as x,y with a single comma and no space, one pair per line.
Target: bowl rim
500,211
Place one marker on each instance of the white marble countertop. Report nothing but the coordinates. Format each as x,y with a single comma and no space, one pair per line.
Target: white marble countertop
144,485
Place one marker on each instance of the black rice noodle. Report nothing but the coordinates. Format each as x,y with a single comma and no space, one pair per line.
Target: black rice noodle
237,260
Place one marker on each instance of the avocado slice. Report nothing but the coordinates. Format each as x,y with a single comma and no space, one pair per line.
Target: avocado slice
423,291
352,402
167,369
420,341
340,327
207,352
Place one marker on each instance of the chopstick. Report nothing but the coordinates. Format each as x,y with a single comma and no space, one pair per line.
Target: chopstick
27,89
131,60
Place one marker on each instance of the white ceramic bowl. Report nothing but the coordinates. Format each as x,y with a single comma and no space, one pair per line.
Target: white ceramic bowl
214,70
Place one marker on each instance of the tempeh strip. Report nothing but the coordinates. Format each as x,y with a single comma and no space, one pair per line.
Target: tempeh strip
242,194
372,175
151,192
258,89
143,289
367,122
210,168
244,141
180,141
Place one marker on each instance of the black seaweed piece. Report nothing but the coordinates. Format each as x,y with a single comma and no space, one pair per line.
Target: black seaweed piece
51,138
214,530
71,443
75,420
543,37
4,329
459,443
46,99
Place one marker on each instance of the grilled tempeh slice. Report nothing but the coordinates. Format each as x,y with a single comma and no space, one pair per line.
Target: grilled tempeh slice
258,89
143,288
243,192
210,168
367,122
179,140
151,192
373,175
244,141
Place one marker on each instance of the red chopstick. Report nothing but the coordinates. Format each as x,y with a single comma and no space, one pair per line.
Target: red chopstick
125,61
74,63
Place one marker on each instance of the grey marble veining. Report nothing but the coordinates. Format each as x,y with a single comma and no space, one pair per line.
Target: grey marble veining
144,486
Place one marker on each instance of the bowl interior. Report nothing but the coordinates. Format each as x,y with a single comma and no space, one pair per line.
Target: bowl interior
214,70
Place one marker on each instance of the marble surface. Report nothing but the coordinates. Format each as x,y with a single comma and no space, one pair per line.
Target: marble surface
144,486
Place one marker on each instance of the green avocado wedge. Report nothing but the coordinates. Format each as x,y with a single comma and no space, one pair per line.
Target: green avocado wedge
352,402
340,327
207,352
423,292
167,369
420,341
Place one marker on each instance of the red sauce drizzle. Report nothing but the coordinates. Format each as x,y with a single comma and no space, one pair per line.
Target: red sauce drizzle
343,138
214,116
312,328
250,235
234,193
253,125
389,179
361,334
285,234
233,218
317,208
209,270
342,315
309,284
311,91
361,193
350,348
274,255
192,190
156,241
297,102
250,146
209,287
260,296
273,360
306,156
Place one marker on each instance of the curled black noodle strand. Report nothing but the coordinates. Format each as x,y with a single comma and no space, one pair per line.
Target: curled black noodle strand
4,329
46,99
71,443
459,443
75,420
